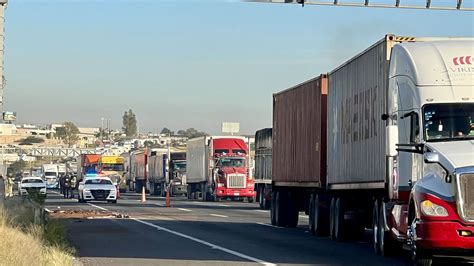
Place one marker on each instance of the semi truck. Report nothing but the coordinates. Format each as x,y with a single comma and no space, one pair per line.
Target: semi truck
50,175
263,167
138,170
113,167
384,141
217,168
87,163
167,171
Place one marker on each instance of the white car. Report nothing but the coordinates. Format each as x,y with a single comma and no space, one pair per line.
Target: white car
29,185
98,188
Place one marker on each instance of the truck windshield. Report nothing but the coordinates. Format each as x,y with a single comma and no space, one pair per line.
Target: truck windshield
112,167
448,122
180,166
231,162
50,173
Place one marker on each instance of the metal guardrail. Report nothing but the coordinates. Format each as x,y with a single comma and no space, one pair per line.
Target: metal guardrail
457,5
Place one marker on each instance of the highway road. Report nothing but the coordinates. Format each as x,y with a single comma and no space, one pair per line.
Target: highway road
201,233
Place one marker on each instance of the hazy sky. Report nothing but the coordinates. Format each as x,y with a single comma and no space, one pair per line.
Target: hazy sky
184,63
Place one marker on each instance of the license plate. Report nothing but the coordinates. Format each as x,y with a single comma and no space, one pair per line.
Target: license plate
236,193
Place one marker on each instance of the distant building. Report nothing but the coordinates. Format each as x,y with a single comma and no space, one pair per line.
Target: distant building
8,130
87,136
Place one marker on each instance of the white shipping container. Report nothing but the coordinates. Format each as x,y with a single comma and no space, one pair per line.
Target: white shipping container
197,157
356,133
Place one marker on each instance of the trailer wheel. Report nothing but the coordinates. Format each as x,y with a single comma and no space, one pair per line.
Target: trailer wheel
332,217
291,210
204,191
272,209
317,218
260,197
339,220
311,215
189,191
375,226
280,210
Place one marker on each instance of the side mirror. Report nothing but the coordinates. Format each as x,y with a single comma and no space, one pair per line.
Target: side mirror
391,140
431,157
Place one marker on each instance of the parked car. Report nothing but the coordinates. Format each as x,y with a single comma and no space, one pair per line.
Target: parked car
30,185
97,189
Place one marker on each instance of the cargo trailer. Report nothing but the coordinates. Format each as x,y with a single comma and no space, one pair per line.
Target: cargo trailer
399,154
263,167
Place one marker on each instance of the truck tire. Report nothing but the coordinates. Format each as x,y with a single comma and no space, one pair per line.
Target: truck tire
388,246
272,209
375,226
331,218
204,191
189,191
260,197
250,199
318,219
311,215
280,210
292,210
339,220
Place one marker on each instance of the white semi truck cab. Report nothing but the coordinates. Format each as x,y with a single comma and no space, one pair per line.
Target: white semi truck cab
430,151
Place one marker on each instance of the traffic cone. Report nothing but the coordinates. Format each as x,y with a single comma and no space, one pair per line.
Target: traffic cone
143,194
168,199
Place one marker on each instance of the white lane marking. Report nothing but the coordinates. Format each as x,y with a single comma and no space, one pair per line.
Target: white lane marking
213,246
195,202
223,205
262,211
269,225
159,204
185,210
304,216
218,215
98,207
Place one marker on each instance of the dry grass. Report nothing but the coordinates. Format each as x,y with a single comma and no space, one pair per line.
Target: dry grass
23,243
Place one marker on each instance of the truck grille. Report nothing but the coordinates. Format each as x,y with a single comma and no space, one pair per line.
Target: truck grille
100,194
467,195
236,181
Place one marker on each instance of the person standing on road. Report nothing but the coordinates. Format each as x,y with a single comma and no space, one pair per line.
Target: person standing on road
72,186
62,188
66,186
2,187
9,186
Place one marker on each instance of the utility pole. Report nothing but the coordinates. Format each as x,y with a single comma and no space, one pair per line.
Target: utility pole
3,6
101,129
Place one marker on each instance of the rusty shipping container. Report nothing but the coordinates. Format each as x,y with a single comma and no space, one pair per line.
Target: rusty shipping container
299,134
263,155
357,99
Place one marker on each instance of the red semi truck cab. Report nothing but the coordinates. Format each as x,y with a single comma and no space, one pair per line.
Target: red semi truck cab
217,167
231,171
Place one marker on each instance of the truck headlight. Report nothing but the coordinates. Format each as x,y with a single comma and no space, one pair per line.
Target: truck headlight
429,208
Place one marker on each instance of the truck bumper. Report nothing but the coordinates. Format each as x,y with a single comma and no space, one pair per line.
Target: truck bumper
179,189
228,192
444,237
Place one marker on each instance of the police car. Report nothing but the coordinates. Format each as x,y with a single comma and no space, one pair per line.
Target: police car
32,185
97,188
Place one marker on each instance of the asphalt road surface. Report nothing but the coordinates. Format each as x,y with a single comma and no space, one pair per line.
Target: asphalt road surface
202,233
